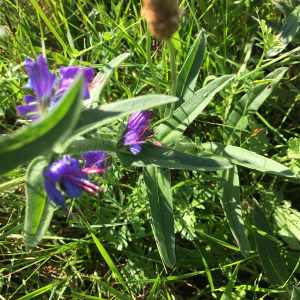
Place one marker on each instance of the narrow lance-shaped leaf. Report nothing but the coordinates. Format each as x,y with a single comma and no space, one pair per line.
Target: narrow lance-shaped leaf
171,130
245,158
158,187
42,290
163,157
296,293
287,220
39,209
102,79
229,194
227,293
31,141
289,30
189,73
269,254
104,114
248,105
109,261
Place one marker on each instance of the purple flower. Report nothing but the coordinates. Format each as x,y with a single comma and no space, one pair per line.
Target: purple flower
68,75
68,174
94,159
136,131
43,84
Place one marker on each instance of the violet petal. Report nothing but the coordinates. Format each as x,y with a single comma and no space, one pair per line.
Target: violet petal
53,193
41,80
24,110
72,188
135,149
94,159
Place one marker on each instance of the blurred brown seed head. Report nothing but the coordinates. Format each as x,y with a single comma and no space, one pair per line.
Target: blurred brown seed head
162,17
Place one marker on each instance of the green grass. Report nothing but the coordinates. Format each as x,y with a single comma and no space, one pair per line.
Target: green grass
110,253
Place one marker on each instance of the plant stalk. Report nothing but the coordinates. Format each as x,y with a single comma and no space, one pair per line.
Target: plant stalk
174,80
149,58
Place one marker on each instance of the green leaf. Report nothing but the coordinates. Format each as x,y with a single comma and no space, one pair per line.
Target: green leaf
189,73
33,140
12,183
171,130
153,289
229,193
230,285
103,77
163,157
288,223
276,27
120,296
158,187
11,231
109,261
296,293
3,32
83,296
283,6
294,148
87,145
104,114
246,159
42,290
289,30
252,288
39,209
218,241
248,105
49,24
268,251
294,154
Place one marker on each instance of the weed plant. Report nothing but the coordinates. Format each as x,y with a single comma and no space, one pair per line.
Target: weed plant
108,246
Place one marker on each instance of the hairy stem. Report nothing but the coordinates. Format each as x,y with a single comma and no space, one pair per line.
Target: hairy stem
149,58
174,80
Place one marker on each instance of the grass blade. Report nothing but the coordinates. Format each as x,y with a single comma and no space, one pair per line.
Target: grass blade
119,295
42,290
230,285
109,261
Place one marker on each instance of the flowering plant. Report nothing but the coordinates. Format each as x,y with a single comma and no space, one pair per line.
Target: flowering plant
47,91
70,129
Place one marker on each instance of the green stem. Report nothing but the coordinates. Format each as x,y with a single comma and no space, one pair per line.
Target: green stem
261,59
149,58
87,145
174,80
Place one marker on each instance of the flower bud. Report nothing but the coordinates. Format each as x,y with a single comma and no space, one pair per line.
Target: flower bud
162,17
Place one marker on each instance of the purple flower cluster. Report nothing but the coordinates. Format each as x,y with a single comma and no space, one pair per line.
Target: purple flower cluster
47,91
136,131
68,174
96,159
